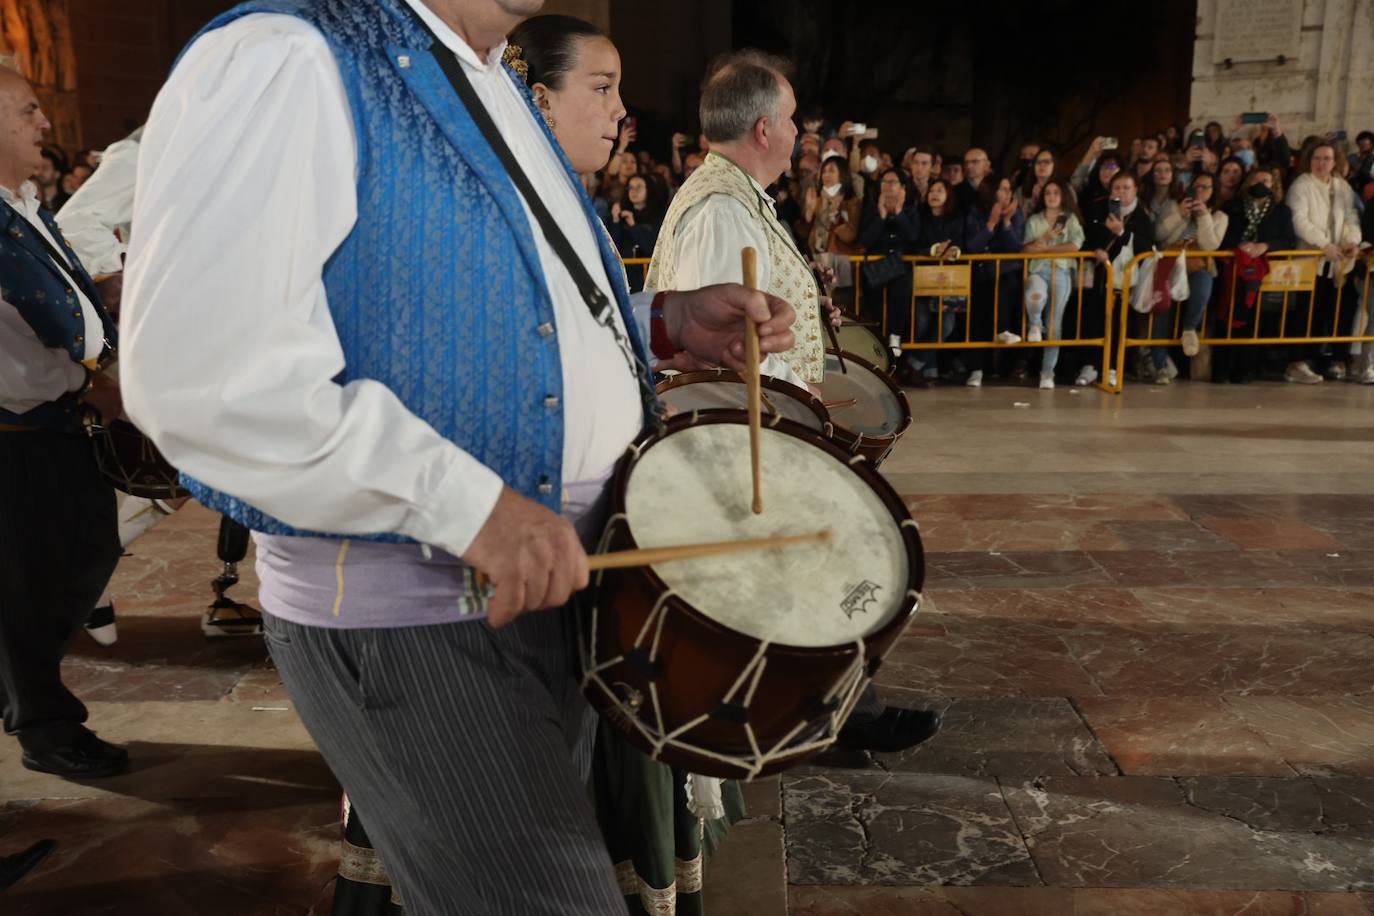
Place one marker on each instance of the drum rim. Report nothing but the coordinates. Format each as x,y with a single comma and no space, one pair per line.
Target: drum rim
885,635
883,370
721,374
892,386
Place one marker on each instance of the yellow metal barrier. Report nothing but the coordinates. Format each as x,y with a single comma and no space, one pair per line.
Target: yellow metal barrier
1290,273
942,280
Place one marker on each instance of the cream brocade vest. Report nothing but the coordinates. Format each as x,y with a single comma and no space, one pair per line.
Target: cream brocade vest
789,274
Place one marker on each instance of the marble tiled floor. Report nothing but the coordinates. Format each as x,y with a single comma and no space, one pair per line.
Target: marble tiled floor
1149,621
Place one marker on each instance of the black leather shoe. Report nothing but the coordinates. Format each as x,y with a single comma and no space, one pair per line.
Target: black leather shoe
87,757
14,867
892,730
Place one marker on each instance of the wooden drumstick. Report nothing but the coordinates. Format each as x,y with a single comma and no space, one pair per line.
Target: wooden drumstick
825,322
651,555
648,556
749,262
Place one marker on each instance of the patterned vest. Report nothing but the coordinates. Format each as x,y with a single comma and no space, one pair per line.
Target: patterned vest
789,274
438,292
45,299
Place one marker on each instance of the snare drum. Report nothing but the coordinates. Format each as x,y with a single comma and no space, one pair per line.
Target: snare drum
863,343
722,389
869,412
744,664
129,461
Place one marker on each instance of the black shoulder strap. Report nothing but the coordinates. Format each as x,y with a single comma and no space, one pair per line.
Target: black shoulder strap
596,300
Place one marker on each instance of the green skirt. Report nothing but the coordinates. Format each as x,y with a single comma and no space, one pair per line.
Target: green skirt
656,843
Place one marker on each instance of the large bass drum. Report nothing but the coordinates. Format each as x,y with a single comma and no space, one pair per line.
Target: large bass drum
742,665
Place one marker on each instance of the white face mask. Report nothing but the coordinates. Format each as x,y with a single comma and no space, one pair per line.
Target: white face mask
832,190
870,164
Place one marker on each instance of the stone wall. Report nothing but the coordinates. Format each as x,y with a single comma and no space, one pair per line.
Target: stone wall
1326,83
37,35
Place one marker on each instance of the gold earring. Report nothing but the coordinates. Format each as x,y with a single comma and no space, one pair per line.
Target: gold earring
548,119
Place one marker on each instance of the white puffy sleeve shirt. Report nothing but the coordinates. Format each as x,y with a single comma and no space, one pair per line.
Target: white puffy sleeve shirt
246,186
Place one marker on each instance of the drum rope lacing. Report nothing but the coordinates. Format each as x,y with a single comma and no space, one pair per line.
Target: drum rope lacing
843,693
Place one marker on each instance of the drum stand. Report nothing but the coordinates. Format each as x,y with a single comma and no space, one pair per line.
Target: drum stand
225,616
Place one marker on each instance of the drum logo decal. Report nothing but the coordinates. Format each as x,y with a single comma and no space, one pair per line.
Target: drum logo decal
859,598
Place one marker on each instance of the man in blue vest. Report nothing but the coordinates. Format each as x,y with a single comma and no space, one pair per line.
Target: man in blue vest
58,536
411,361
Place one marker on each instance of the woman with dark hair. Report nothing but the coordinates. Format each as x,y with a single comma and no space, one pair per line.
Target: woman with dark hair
1042,170
997,283
634,226
947,232
1230,174
829,224
1258,223
891,227
1214,138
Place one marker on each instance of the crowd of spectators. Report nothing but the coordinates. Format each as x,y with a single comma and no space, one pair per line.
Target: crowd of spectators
1247,189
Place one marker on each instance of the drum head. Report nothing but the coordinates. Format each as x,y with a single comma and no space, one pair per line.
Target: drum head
695,486
722,389
863,343
880,408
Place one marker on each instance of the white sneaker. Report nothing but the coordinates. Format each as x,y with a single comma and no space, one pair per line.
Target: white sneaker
1162,379
1190,343
1170,371
1007,337
1367,376
1111,377
1302,374
975,379
1046,381
1336,372
894,343
1033,335
1086,376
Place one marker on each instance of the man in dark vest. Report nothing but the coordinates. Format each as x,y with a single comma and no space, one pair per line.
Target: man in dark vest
58,536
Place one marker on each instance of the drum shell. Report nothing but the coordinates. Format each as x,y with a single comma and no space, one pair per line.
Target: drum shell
698,660
805,399
130,462
874,448
858,340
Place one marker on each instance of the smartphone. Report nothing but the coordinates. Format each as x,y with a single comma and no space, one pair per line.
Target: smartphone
857,130
1255,117
1110,143
1114,207
1339,135
870,134
1062,221
1197,141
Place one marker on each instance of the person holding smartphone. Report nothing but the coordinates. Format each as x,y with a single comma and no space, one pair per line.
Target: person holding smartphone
1053,228
1190,223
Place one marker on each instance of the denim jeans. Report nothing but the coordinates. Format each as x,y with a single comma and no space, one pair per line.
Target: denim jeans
1043,281
926,316
1199,292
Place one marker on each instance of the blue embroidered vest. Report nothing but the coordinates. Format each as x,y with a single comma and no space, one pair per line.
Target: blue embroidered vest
43,294
438,292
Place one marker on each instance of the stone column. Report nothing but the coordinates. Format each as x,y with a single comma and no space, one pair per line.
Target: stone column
38,34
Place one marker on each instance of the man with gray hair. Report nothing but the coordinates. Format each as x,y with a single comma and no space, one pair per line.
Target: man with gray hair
747,106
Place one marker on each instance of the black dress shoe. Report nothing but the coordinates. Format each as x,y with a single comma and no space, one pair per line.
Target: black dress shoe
14,867
87,757
890,731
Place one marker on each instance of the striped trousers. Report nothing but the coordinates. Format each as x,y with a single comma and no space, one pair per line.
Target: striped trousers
466,751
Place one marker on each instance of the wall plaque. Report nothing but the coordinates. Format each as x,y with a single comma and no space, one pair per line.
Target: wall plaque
1254,30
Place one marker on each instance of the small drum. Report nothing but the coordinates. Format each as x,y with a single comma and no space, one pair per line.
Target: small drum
721,389
741,665
858,340
868,410
130,462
